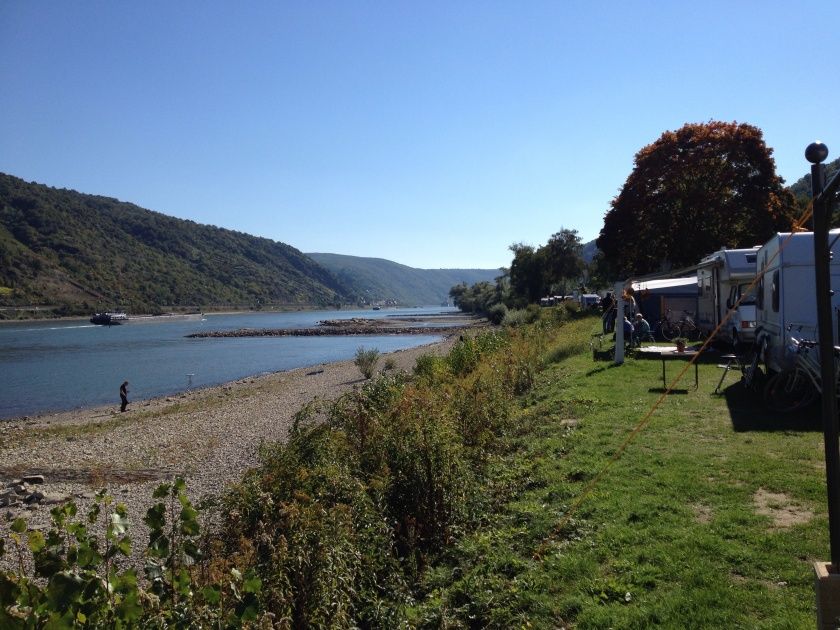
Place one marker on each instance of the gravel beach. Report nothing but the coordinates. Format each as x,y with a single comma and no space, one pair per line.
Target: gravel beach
208,436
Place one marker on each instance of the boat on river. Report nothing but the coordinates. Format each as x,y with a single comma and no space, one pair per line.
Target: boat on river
114,318
109,318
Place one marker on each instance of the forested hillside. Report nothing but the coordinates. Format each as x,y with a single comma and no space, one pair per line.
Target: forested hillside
801,188
379,280
83,252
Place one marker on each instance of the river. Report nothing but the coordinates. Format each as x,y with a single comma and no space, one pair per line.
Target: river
48,366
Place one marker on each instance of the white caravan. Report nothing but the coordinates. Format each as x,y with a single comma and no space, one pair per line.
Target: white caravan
722,278
786,298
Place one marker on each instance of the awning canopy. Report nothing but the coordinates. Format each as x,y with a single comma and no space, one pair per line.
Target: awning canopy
664,283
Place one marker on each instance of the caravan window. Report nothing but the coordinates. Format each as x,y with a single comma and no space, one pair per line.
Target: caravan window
775,295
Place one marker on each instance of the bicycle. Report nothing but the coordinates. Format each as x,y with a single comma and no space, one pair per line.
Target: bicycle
684,327
688,328
799,386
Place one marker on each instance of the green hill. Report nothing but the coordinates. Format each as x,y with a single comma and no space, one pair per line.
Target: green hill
379,280
84,252
801,188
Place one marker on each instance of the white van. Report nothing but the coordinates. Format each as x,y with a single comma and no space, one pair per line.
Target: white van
590,300
722,278
786,297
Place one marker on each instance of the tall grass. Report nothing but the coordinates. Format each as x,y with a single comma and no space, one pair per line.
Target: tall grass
347,516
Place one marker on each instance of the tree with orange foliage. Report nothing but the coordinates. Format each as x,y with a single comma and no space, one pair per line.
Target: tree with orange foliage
693,191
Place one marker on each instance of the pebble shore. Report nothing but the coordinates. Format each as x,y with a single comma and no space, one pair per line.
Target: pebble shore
209,436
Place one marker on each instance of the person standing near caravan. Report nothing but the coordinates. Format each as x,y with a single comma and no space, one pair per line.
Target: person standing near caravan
629,301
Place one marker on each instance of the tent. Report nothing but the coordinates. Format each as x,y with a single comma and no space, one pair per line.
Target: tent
654,297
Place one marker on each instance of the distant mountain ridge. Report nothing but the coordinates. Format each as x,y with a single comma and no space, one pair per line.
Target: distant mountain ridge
84,252
80,253
801,188
380,280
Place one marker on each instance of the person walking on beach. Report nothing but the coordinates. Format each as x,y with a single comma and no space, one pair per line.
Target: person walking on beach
124,396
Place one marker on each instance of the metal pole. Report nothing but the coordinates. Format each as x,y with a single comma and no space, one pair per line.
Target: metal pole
619,324
816,153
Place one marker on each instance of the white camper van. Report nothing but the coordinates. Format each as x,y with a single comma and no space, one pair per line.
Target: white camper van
786,298
722,278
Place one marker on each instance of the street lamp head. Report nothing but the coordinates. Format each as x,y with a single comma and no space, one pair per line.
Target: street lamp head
816,152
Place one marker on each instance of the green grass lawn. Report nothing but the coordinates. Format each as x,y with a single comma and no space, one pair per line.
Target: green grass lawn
711,517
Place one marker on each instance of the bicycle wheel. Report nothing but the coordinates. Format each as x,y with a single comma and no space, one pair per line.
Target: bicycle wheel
789,390
690,331
669,330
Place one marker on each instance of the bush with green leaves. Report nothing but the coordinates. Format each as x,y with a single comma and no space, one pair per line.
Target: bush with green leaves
431,369
82,579
366,359
496,313
344,519
316,535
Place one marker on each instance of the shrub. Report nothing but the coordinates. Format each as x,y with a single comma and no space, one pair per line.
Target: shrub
430,368
514,317
496,313
532,313
463,357
315,535
366,361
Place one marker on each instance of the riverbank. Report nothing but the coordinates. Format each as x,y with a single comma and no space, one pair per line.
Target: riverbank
208,436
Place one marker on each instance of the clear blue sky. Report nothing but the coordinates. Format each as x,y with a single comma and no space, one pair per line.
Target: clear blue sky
434,134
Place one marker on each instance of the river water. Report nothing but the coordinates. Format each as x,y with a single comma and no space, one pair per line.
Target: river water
58,366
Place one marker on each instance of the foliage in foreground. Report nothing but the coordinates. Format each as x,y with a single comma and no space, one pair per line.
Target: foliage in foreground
82,579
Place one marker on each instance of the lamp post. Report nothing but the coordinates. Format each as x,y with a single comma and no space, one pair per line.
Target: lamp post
823,196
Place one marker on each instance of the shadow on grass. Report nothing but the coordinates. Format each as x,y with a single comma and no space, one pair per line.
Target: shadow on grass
662,390
603,355
749,414
601,368
565,351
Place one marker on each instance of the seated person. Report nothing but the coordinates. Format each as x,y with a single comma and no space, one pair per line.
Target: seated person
641,330
628,332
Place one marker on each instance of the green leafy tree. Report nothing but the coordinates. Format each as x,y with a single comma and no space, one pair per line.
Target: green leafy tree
563,260
478,298
695,190
527,278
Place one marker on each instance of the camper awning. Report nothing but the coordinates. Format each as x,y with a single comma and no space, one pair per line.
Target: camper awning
664,283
